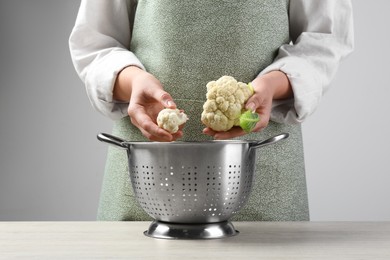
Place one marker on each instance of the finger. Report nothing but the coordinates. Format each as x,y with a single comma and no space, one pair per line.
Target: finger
234,132
259,127
167,101
157,138
209,131
154,132
163,97
264,120
177,135
253,103
148,128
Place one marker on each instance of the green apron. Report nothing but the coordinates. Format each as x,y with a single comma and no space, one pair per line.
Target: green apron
187,43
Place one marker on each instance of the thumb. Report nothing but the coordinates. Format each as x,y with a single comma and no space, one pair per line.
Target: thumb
165,99
156,91
252,104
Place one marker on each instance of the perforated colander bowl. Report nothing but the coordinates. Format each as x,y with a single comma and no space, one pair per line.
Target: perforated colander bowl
191,182
185,183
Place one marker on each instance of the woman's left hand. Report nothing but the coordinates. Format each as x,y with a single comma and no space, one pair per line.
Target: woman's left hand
268,87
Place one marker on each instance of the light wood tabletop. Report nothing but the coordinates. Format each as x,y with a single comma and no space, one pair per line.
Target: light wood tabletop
256,240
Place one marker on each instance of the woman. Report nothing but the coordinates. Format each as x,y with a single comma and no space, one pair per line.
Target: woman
137,57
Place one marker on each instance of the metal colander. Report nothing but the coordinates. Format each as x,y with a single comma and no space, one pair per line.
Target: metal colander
191,182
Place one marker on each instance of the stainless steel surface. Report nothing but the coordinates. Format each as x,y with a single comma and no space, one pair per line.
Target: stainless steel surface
272,140
114,140
191,182
166,230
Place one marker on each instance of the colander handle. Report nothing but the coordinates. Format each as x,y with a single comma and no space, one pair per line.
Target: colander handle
110,139
271,140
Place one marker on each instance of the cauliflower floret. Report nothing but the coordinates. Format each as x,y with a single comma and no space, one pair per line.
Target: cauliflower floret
171,119
226,98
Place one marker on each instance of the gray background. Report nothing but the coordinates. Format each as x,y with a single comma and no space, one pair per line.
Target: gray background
51,164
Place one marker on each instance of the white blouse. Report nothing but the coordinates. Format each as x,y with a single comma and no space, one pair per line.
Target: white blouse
321,34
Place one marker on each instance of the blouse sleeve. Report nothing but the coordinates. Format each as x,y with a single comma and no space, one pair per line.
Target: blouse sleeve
321,37
99,46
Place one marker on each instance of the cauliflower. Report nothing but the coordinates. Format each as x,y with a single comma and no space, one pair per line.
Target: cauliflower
225,103
171,119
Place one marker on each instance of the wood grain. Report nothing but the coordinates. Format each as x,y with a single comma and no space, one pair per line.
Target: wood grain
257,240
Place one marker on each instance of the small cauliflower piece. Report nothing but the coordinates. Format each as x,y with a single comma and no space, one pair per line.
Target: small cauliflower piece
225,104
171,119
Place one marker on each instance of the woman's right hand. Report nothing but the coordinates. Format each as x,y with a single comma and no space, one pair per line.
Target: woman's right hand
146,98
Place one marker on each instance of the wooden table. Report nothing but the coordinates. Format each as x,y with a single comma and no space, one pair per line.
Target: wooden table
257,240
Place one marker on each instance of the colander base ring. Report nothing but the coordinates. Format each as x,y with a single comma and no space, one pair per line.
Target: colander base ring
164,230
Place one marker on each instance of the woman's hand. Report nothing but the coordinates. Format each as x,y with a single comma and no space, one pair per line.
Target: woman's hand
268,87
146,98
